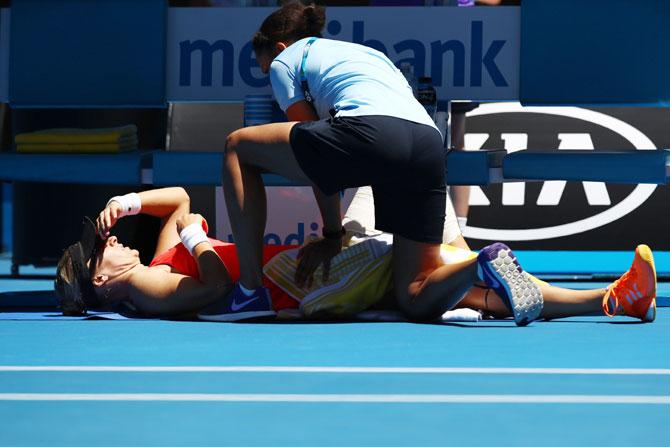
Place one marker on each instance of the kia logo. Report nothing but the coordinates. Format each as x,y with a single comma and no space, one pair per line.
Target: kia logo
513,194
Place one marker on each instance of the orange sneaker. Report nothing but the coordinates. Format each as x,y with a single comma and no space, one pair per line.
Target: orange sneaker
634,293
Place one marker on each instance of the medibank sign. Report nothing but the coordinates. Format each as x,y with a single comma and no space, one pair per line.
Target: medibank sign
471,53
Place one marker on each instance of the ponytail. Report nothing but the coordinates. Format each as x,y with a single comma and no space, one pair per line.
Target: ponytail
314,20
290,23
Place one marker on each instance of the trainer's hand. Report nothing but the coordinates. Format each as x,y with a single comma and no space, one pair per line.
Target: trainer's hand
312,255
108,218
188,219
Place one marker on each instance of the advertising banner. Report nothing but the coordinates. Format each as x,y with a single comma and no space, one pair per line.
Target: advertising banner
292,215
471,53
550,215
556,215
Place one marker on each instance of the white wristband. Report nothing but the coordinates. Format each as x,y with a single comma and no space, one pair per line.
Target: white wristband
193,235
131,204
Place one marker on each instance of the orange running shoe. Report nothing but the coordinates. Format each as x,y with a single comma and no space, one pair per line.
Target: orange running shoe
634,293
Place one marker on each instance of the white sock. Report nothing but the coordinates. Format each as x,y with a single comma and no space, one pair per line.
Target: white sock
462,222
247,292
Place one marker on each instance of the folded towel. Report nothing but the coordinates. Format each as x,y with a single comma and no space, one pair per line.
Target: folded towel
69,136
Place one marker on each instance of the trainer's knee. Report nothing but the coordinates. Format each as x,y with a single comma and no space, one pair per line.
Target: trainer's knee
238,147
233,141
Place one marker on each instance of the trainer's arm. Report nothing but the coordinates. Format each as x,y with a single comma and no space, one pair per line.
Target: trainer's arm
328,205
301,111
321,252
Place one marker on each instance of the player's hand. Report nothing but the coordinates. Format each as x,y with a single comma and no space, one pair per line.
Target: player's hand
314,254
189,219
108,218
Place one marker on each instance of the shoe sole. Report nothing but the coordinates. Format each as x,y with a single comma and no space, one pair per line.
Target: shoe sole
644,252
523,297
229,318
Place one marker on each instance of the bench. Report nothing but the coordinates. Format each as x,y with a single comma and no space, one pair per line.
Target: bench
484,167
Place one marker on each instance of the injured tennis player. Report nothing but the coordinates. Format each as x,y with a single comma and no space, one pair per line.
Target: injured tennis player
191,271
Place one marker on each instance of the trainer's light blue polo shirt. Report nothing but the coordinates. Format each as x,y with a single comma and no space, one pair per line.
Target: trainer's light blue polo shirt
353,79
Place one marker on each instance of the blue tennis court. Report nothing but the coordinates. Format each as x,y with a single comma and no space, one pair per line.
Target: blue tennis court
575,381
567,151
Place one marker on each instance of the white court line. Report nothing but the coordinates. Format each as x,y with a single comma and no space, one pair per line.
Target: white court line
339,370
347,398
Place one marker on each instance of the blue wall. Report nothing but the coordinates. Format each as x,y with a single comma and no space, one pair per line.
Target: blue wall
595,52
87,53
6,216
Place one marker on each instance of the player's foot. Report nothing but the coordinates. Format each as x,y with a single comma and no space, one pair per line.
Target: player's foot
634,293
238,306
500,270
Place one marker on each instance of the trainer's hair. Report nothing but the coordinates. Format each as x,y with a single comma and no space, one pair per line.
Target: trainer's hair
290,23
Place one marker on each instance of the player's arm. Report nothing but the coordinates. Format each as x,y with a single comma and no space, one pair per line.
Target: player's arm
165,203
168,204
156,292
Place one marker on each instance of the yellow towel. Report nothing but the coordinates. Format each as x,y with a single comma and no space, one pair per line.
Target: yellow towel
359,277
69,136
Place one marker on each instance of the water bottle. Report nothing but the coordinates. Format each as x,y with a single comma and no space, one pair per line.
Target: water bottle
427,96
408,72
257,109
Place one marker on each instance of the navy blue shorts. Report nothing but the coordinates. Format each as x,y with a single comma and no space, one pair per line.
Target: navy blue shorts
403,161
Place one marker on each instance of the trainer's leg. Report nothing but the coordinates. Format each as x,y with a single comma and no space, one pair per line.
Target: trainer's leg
558,302
425,288
249,152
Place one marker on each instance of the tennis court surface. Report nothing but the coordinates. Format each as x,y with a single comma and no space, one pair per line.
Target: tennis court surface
575,381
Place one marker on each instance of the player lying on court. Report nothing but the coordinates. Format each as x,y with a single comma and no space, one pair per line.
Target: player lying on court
186,274
190,271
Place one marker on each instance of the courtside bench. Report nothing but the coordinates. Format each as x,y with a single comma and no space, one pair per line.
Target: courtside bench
162,168
484,167
640,166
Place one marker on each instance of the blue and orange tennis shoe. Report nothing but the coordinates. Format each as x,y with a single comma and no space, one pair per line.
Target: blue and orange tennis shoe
500,270
634,293
237,306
